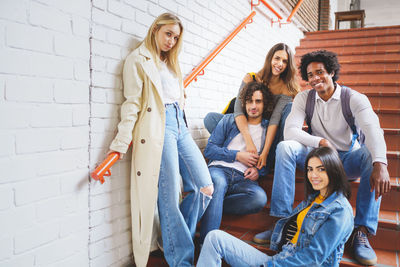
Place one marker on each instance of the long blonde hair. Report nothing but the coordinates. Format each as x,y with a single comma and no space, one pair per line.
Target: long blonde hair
171,57
288,76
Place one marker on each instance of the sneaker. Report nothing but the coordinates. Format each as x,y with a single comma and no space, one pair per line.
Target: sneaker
263,237
362,250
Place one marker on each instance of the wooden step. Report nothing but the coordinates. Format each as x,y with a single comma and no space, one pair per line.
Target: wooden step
353,57
326,43
353,33
392,138
355,50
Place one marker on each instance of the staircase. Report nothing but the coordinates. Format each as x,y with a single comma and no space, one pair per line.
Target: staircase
370,64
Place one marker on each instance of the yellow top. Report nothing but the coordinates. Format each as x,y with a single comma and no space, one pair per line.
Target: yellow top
300,217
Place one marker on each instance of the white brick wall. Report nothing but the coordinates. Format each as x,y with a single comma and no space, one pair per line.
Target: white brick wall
60,93
44,118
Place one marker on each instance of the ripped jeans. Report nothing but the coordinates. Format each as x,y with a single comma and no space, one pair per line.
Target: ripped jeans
180,157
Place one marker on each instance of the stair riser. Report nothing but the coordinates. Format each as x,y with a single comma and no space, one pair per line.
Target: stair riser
392,141
386,239
385,102
371,58
315,44
361,49
389,120
353,34
368,67
394,166
369,77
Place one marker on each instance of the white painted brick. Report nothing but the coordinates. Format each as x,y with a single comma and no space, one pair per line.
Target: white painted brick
106,19
96,218
6,247
103,201
139,4
125,224
78,259
118,38
51,116
15,61
49,18
77,137
118,240
120,9
14,10
16,219
106,50
98,63
115,97
99,33
101,140
102,231
16,169
74,223
104,260
144,18
76,7
100,4
53,208
36,236
63,161
55,251
29,38
115,66
98,95
118,211
7,144
82,71
124,251
70,46
80,26
52,66
71,92
169,5
186,13
134,28
74,181
36,189
106,80
6,198
29,89
80,115
155,10
18,261
96,249
39,140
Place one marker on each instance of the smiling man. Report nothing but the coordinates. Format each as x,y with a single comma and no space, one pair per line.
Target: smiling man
232,168
333,114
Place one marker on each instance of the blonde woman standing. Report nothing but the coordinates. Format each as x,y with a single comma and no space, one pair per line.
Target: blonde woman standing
163,149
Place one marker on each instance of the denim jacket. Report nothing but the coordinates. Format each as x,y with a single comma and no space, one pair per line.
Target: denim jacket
222,135
324,232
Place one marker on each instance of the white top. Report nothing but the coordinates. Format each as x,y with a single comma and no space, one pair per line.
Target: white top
170,85
238,143
329,123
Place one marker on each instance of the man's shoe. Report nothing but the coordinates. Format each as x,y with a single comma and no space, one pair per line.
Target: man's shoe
263,237
362,250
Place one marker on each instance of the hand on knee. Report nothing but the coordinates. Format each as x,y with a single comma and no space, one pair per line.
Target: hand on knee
208,190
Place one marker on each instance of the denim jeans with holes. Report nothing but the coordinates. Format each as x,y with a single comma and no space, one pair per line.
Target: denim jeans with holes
181,157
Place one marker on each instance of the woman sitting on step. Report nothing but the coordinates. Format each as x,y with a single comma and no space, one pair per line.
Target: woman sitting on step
313,235
279,75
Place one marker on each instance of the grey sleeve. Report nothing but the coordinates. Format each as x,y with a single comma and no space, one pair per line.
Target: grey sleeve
238,104
279,106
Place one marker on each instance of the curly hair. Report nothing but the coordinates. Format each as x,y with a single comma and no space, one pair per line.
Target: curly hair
329,59
247,93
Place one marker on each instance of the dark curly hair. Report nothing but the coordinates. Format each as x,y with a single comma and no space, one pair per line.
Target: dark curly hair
247,93
329,59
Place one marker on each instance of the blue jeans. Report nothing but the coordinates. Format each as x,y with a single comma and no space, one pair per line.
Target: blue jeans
180,157
232,194
356,163
220,245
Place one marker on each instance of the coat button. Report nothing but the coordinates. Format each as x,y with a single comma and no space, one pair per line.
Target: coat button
142,141
139,173
148,109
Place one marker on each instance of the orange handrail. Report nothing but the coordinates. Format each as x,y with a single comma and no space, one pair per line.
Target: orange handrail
215,52
294,10
268,6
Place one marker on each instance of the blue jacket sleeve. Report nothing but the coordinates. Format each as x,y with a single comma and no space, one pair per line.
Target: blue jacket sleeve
335,230
215,149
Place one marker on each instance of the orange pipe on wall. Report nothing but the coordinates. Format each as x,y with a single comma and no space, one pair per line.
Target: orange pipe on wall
294,10
271,8
215,52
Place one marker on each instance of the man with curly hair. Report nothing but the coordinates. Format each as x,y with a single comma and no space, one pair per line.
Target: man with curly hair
329,127
233,169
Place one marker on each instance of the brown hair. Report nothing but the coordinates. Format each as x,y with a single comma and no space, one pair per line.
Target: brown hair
247,93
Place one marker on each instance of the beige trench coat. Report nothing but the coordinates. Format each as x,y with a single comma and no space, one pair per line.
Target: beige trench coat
143,123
